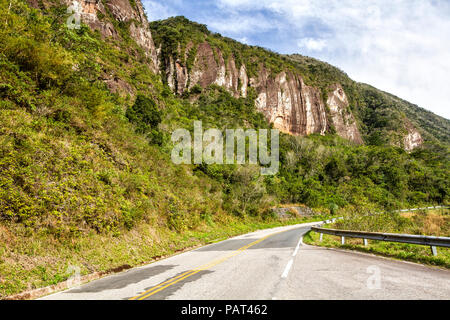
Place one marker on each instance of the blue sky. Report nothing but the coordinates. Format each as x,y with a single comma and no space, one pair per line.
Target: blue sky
400,46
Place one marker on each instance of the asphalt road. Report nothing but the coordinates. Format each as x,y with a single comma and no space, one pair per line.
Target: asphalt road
266,265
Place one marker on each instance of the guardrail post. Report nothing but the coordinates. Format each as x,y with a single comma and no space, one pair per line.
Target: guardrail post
321,237
434,250
342,240
365,242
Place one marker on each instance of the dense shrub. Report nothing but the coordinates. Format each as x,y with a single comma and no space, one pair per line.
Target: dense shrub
75,157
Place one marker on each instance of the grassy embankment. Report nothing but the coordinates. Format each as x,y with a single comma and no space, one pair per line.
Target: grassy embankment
432,223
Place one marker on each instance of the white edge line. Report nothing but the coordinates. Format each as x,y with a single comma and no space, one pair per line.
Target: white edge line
288,268
300,242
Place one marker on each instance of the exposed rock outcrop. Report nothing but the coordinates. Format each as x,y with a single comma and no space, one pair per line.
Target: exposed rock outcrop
89,9
284,99
209,67
289,104
413,139
121,10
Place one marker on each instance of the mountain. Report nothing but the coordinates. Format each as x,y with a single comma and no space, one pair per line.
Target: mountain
299,95
86,117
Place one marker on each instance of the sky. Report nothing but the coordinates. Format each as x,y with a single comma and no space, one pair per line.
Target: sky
399,46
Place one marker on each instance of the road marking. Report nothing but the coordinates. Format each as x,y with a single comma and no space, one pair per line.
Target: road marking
288,268
300,242
289,265
190,273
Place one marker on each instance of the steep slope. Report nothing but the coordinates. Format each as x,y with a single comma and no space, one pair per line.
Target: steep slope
299,95
86,118
433,126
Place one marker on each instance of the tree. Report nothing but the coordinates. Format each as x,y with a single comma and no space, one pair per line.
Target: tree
144,114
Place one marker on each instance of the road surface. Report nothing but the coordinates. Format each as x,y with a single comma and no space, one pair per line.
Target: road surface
269,265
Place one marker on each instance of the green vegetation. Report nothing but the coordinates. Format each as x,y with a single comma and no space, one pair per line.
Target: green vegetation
320,171
325,172
380,116
38,260
432,223
145,115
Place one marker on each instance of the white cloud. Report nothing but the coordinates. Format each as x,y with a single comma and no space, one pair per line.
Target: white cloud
312,44
157,11
400,46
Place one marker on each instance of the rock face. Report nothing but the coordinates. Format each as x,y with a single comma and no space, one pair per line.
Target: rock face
121,10
284,99
289,104
413,139
341,116
292,212
209,67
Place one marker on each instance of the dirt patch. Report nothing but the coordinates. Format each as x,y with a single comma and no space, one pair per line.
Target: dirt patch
5,235
29,263
434,224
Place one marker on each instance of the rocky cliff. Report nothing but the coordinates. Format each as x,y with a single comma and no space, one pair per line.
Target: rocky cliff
343,120
98,15
283,95
284,98
209,67
413,138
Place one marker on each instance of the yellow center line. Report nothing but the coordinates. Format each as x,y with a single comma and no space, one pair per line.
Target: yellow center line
170,280
203,267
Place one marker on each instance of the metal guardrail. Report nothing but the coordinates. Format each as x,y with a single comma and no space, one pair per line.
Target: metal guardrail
433,242
428,208
408,210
